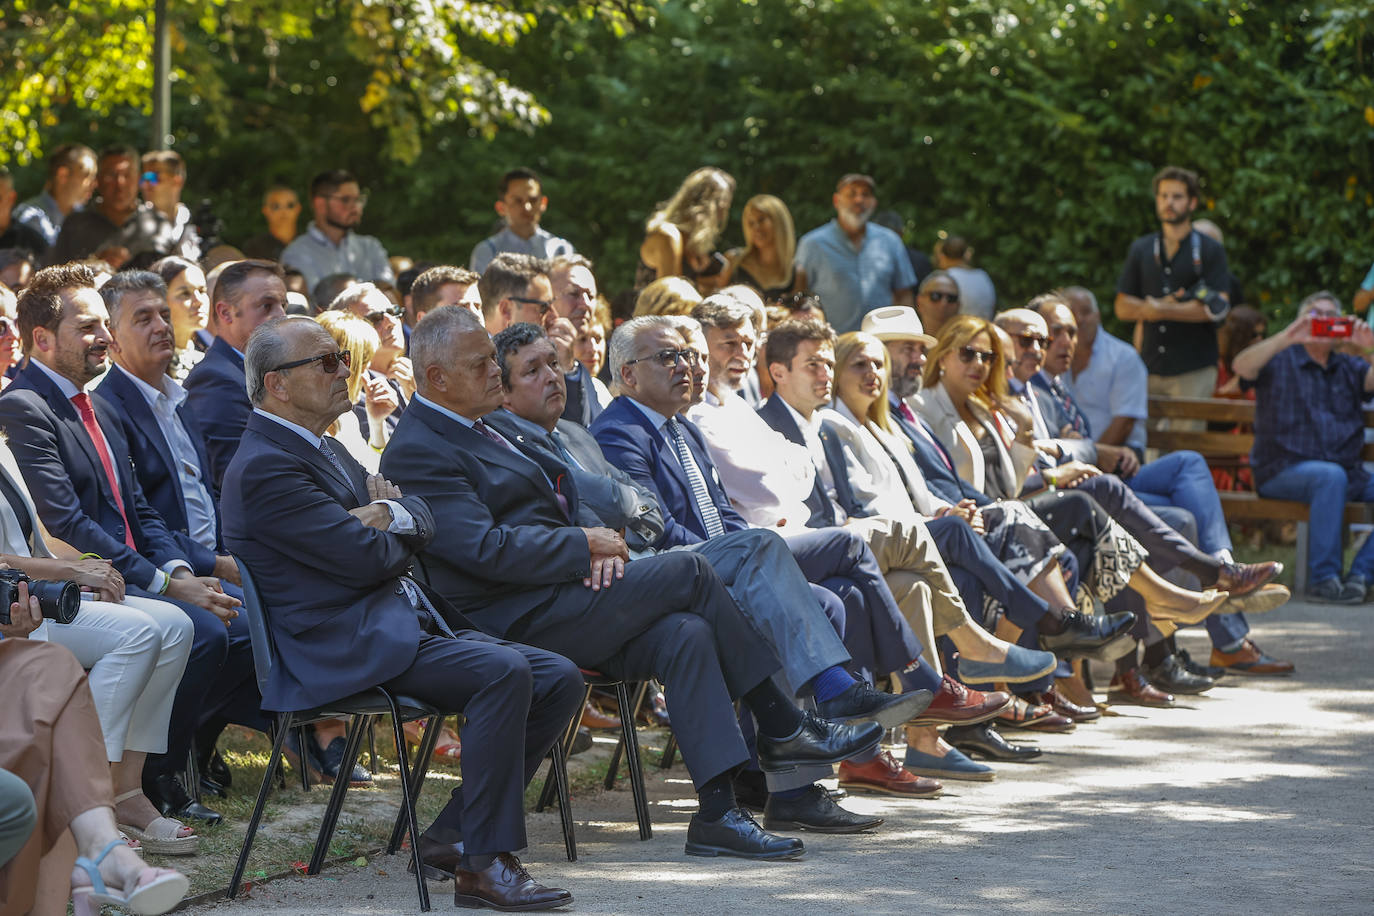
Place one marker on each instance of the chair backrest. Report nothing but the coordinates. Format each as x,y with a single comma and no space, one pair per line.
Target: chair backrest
255,612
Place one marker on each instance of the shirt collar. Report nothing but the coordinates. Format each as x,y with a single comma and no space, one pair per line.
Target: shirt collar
299,430
653,416
316,233
803,423
63,383
443,410
170,390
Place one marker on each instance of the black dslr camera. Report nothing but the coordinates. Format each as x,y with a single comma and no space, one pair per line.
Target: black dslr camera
58,601
1212,299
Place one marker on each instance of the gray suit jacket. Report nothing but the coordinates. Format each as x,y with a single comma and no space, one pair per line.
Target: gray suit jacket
606,496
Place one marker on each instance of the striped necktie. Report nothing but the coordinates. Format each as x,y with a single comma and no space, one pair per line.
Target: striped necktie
709,513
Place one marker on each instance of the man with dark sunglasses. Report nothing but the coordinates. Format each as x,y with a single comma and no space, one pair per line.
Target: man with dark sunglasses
389,377
937,301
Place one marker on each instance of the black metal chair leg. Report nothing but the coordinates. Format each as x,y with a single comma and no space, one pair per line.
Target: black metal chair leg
559,768
273,762
336,797
635,765
546,793
372,747
669,753
407,800
433,728
303,737
628,713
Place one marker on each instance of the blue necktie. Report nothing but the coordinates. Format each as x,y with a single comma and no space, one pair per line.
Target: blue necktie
709,513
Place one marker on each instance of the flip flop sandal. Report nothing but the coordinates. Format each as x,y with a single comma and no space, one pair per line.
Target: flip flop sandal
147,898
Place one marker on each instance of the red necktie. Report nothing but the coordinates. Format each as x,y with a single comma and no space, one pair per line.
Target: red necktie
87,411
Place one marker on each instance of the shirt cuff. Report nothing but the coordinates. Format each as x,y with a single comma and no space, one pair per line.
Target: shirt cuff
402,522
171,566
158,585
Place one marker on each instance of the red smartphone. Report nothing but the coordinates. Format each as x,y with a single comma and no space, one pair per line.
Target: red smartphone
1332,325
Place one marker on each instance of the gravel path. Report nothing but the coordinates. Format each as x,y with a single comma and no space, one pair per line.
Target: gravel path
1256,798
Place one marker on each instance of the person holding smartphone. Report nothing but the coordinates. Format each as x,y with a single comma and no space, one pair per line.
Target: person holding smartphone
1309,432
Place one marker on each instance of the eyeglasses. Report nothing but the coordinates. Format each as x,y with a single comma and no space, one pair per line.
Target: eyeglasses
150,177
969,354
329,362
376,317
544,304
668,358
800,302
1032,340
350,200
941,296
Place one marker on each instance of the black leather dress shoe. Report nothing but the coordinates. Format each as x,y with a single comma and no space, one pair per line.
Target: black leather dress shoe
861,703
218,770
506,886
1102,636
738,834
816,741
814,810
439,860
985,741
169,797
1171,676
209,786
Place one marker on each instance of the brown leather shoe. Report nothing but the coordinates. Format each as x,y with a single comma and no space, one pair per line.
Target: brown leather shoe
505,886
594,718
1131,688
1243,578
885,776
956,704
1066,707
440,860
1038,717
1248,659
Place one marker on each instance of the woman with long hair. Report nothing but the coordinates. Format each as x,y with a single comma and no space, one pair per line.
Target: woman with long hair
680,237
767,262
189,302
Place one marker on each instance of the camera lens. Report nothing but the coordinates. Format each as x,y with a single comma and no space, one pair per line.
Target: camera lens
59,601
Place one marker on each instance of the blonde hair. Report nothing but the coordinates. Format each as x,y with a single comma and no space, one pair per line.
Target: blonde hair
846,345
667,296
784,231
359,338
693,209
956,334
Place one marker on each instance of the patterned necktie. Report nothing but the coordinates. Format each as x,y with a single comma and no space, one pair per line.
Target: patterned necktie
709,513
334,460
1076,418
485,430
102,448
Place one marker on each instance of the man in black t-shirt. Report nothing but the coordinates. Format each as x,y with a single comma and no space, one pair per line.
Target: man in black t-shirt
1177,283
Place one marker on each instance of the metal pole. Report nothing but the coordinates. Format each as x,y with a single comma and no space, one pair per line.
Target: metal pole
162,85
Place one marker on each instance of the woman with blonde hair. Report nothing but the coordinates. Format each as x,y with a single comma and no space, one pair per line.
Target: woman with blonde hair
680,237
767,262
359,339
667,296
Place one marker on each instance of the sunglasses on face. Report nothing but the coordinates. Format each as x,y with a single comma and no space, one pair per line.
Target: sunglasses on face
1032,340
668,358
969,354
544,304
394,312
329,362
940,296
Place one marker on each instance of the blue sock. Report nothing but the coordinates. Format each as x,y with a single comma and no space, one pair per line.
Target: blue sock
830,683
919,677
790,793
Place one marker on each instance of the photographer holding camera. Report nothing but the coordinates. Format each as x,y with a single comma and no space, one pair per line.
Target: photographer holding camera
1176,281
1309,431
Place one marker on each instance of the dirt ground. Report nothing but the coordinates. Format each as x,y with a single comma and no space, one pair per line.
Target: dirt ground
1255,798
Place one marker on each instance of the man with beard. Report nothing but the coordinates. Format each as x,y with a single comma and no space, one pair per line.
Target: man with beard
1177,282
330,245
853,266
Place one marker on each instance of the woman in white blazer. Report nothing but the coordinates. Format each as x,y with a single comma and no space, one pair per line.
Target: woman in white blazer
135,650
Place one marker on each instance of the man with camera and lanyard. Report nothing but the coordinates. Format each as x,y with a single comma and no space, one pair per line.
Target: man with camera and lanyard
1175,282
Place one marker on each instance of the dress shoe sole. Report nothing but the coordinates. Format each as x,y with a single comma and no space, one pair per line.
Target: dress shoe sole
997,756
1260,601
1106,653
1179,689
481,903
792,765
893,714
1121,698
870,788
1258,671
928,718
431,872
985,776
775,824
711,852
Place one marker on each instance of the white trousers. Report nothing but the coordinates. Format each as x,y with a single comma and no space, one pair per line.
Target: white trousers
136,652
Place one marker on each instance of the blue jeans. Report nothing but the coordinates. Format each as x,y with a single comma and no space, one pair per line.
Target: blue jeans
1182,479
1326,487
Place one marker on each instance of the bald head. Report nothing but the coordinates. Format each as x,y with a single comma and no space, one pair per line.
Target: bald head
1028,338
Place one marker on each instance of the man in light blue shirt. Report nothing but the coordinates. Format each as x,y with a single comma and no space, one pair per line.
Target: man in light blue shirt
330,245
855,266
521,205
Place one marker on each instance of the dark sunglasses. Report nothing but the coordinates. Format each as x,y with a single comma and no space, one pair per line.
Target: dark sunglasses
1032,340
939,296
800,302
329,362
544,304
394,312
668,358
969,354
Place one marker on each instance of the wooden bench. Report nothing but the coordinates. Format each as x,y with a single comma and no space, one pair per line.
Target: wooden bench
1226,451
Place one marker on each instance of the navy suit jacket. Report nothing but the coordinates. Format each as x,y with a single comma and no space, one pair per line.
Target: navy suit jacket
331,583
777,415
218,395
935,463
630,442
506,545
68,483
155,467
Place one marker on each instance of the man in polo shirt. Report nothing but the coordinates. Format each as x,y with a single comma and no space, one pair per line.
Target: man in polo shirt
71,179
855,266
330,245
522,203
1177,282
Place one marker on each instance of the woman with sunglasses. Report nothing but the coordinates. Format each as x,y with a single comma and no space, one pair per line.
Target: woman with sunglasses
989,438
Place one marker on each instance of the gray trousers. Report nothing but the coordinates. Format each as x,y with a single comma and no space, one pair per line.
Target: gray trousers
18,815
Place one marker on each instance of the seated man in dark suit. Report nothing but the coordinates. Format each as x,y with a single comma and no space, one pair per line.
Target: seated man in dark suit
246,294
329,547
507,551
76,462
754,564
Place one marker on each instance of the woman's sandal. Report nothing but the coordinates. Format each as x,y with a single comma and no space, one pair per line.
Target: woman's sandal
162,836
147,898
